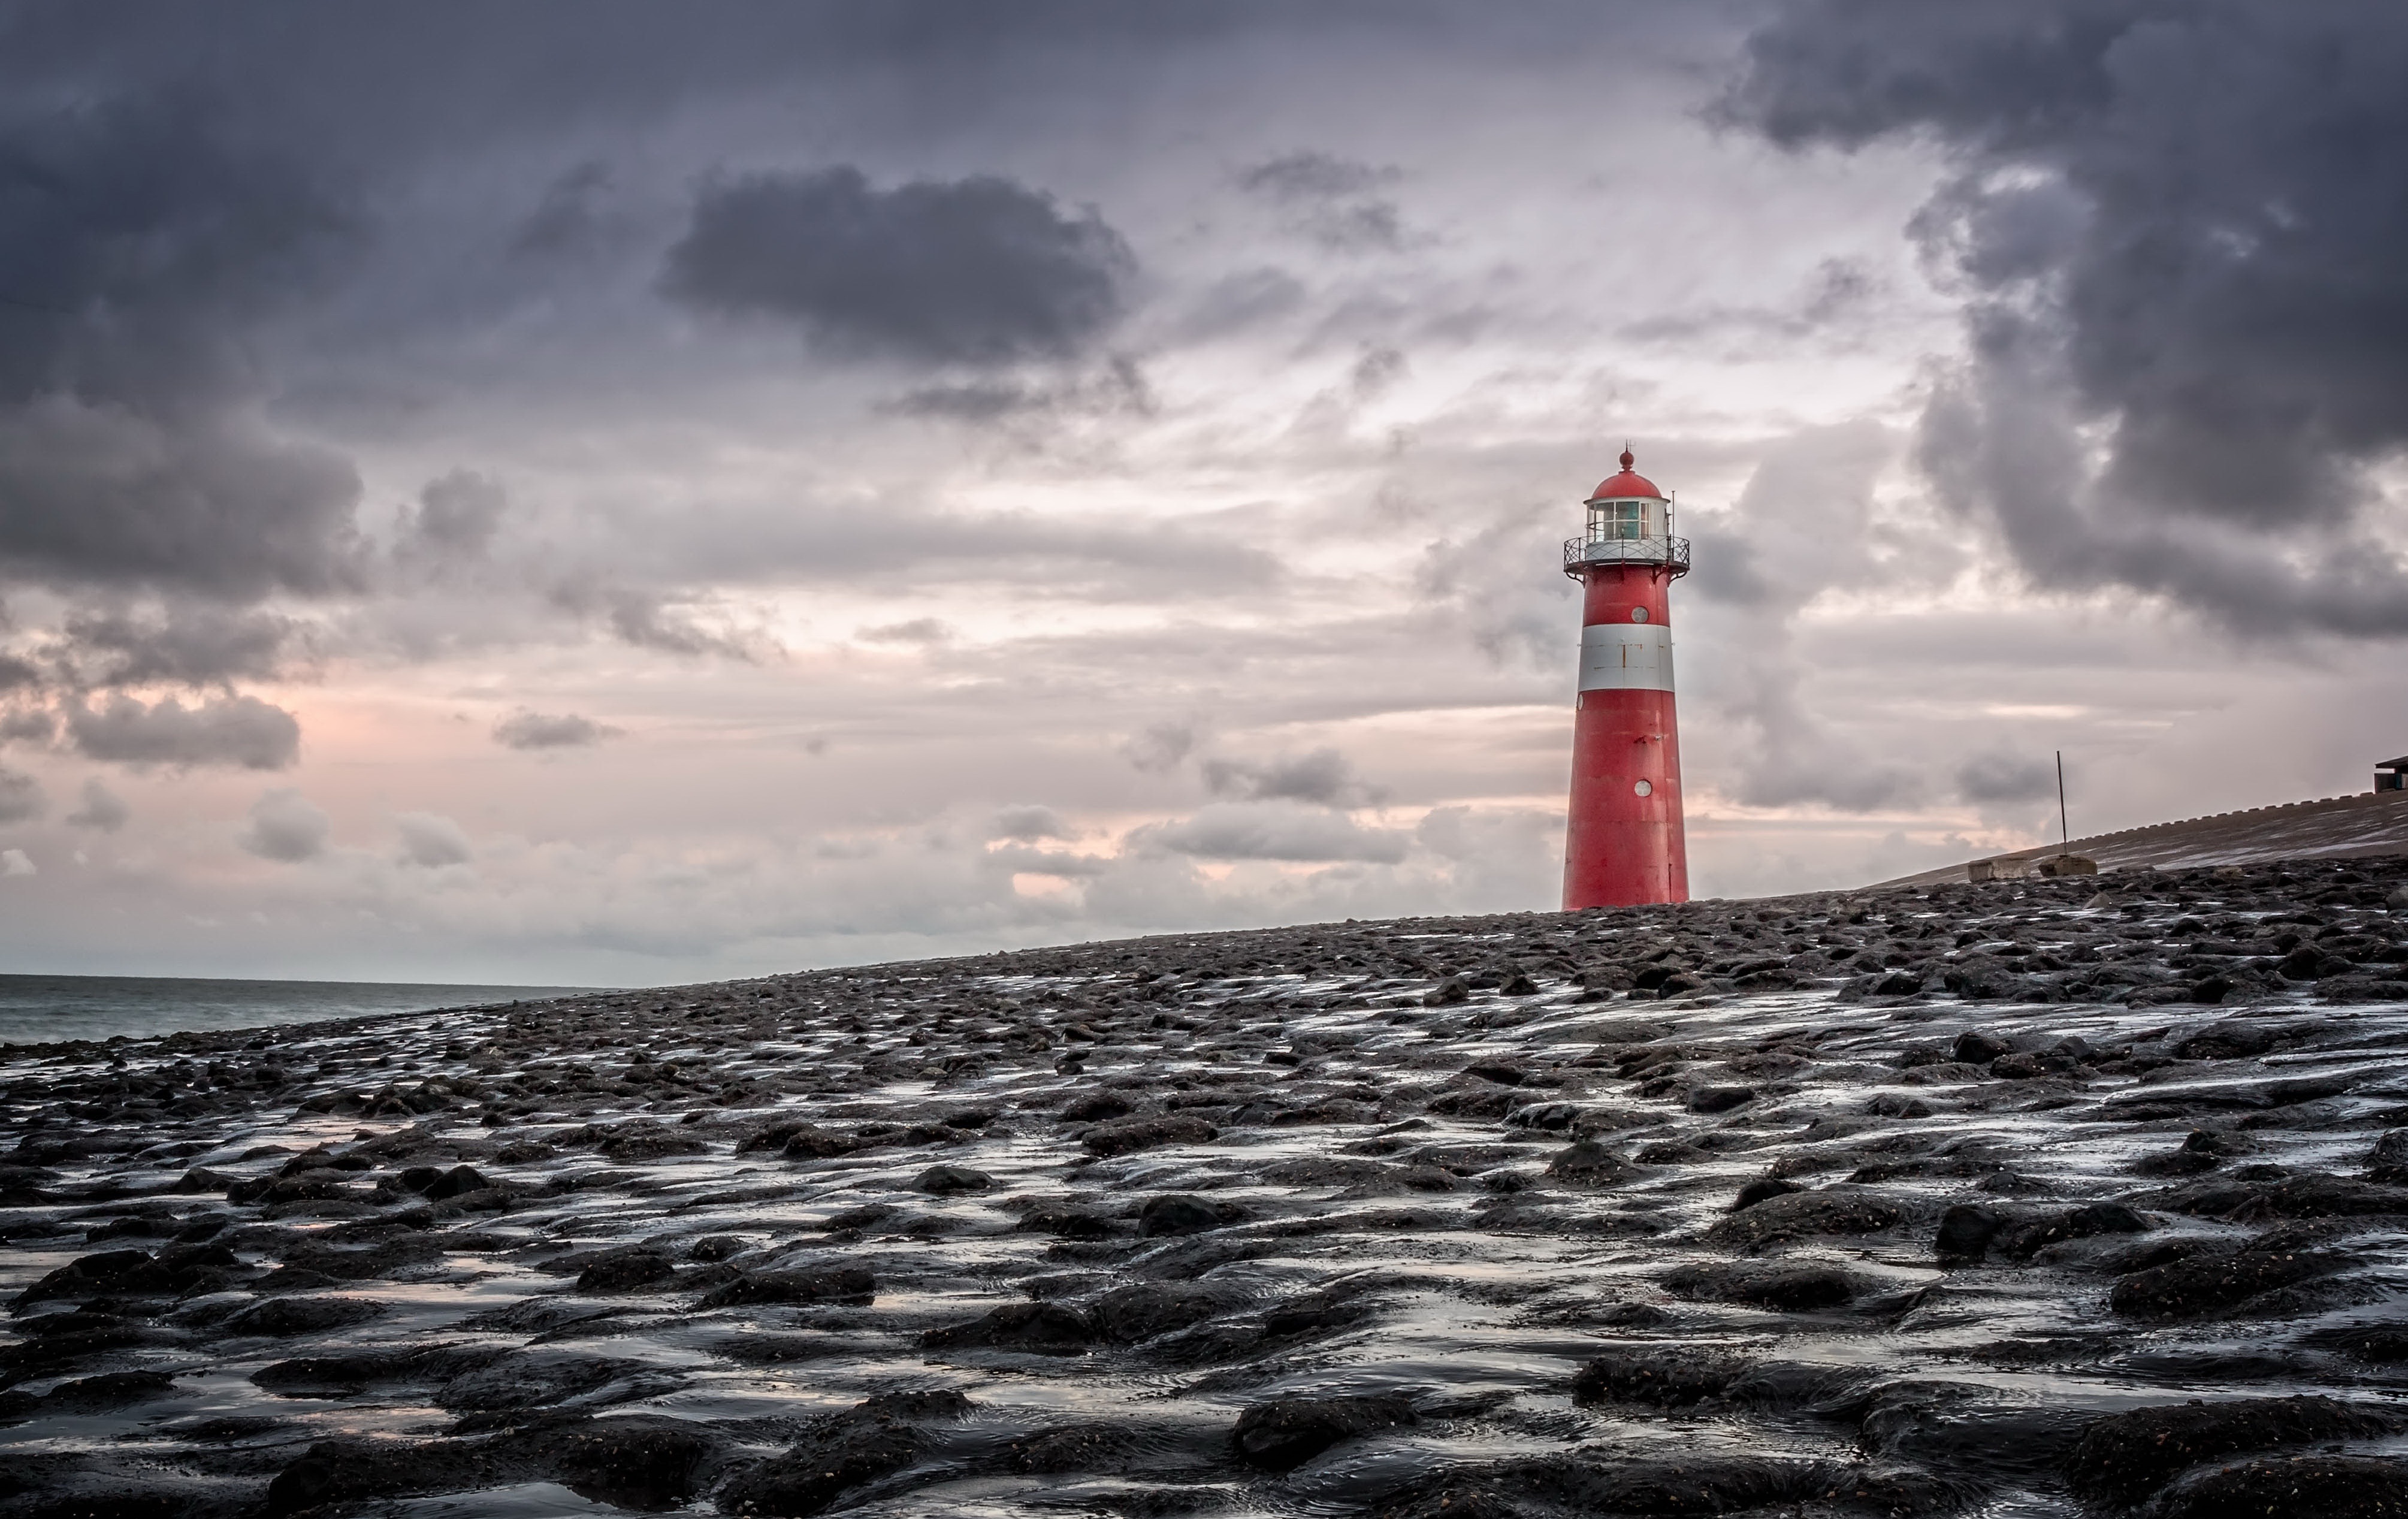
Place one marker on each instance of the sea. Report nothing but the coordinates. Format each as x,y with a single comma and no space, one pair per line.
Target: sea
42,1010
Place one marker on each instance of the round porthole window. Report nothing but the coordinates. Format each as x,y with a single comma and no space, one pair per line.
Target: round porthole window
1639,614
1645,788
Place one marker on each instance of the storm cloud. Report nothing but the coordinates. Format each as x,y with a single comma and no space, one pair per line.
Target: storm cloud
139,248
236,731
980,270
2168,225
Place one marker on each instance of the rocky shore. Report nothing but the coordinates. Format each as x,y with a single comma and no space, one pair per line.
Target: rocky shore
2036,1198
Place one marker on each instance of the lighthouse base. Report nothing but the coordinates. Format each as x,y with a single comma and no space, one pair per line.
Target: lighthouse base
1625,845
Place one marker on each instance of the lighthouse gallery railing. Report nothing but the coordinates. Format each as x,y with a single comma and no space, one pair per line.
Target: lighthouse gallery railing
1671,554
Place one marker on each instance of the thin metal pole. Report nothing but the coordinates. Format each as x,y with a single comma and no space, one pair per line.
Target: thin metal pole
2064,831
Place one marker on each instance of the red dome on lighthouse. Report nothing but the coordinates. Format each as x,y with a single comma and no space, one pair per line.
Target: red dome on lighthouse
1626,484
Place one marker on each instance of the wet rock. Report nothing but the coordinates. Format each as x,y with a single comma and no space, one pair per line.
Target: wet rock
1145,1309
1782,1288
336,1375
1069,1448
1096,1108
648,1464
2316,1196
2124,1457
1966,1231
2215,1282
1660,1376
2027,1237
1177,1214
548,1379
808,1141
2326,1486
1590,1163
356,1469
1719,1099
946,1181
1975,1048
1449,993
838,1453
1130,1135
1763,1189
283,1317
1067,1223
101,1394
1284,1433
628,1270
1037,1328
1800,1215
847,1284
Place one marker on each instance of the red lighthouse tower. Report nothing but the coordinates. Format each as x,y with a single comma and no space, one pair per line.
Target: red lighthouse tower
1624,844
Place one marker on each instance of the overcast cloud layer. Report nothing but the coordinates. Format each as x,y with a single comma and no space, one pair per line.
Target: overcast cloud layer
606,492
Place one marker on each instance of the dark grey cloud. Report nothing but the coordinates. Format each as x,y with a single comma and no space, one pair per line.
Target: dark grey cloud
285,826
20,796
102,808
1029,823
1323,776
2006,778
1118,388
529,729
1335,200
969,271
453,522
140,245
569,217
2168,224
184,643
236,731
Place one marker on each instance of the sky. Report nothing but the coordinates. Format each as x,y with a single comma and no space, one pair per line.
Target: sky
585,492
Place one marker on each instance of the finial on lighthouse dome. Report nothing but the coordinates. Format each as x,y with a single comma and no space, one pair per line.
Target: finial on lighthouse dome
1627,484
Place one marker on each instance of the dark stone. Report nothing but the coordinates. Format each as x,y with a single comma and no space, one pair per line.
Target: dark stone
1130,1135
1719,1099
1144,1310
1805,1214
2124,1457
2025,1239
1660,1377
628,1270
1975,1048
1067,1223
808,1141
1763,1189
945,1181
538,1379
1785,1289
1588,1163
850,1285
456,1183
1096,1108
1038,1328
1448,993
1069,1448
2211,1282
1287,1432
1178,1214
108,1390
1965,1234
840,1452
2323,1486
286,1316
316,1376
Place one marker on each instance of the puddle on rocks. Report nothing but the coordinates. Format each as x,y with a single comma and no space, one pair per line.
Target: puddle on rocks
1388,1219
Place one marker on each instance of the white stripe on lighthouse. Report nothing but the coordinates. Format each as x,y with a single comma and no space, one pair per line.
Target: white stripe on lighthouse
1625,656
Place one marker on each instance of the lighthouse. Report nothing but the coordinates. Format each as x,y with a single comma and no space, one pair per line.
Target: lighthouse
1625,843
